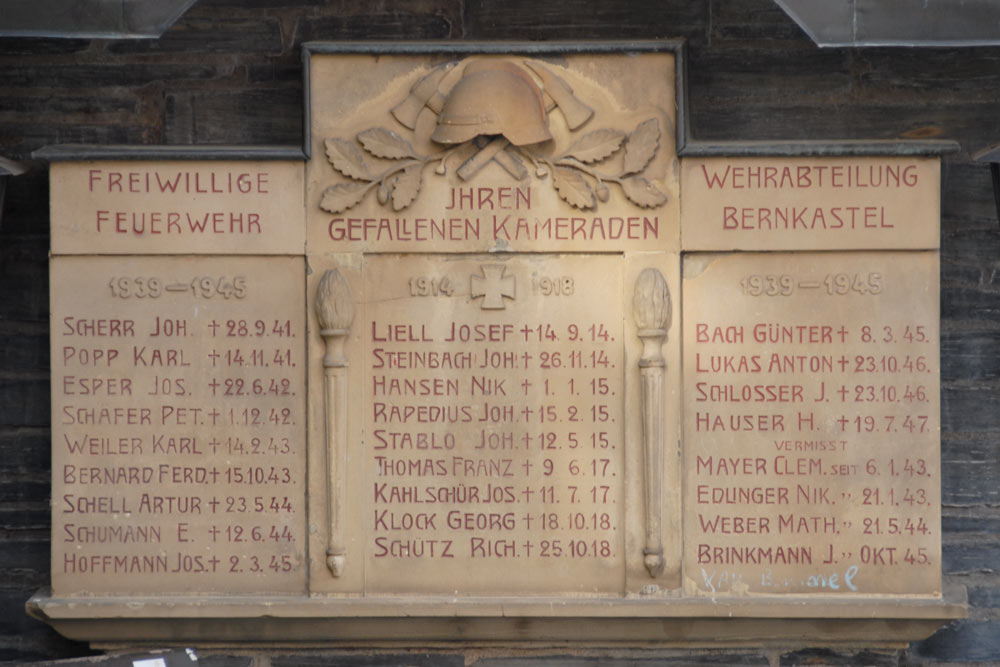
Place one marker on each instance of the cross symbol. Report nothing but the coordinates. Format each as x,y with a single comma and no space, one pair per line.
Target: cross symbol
492,286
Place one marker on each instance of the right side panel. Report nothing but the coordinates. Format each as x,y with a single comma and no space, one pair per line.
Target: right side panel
811,402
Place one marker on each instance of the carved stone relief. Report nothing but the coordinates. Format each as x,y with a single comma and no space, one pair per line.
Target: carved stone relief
497,111
652,310
335,313
582,158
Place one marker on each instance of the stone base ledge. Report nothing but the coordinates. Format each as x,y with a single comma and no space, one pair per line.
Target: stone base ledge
425,621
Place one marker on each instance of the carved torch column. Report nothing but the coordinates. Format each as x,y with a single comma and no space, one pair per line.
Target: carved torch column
651,305
335,312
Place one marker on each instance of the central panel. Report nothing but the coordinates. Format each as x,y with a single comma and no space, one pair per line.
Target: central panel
493,426
493,248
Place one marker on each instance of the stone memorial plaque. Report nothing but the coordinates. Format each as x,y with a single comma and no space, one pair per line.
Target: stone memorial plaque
495,424
812,423
494,363
492,388
811,203
482,409
178,393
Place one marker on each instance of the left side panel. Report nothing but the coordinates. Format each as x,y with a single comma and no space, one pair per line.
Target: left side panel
178,378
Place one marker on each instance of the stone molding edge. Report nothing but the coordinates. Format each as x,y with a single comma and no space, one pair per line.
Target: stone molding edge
877,621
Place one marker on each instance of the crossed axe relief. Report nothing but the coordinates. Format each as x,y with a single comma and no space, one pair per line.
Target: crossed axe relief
501,135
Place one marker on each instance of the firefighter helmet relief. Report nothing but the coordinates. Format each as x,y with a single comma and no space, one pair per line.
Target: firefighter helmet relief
493,97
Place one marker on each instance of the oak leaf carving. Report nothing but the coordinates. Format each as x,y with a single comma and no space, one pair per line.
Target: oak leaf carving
384,143
597,145
640,146
347,159
573,187
406,187
342,196
642,192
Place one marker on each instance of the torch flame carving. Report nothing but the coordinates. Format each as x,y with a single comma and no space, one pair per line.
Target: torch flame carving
651,307
335,312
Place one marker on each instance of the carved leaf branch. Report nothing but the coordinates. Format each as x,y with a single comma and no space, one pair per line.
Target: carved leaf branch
572,187
574,173
342,196
406,186
399,183
589,186
347,159
384,143
642,192
640,146
596,146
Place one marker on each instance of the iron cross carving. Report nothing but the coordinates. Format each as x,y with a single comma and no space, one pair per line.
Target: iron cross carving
493,286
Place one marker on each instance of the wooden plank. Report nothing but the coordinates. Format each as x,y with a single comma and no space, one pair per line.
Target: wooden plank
269,115
734,77
210,34
755,22
391,24
925,74
969,355
580,19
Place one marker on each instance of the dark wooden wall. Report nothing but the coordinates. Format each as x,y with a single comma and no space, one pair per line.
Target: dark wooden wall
230,72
